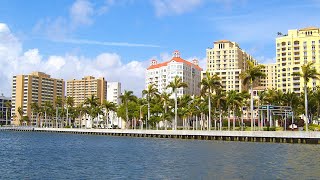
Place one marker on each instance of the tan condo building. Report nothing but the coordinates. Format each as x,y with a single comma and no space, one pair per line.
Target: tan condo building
227,60
84,88
294,49
270,81
36,87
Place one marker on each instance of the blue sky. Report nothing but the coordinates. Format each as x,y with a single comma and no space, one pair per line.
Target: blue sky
117,38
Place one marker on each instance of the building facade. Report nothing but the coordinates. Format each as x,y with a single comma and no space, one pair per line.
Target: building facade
36,87
84,88
161,74
293,50
270,81
5,110
228,60
114,92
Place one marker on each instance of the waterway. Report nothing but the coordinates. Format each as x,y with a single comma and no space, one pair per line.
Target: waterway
35,155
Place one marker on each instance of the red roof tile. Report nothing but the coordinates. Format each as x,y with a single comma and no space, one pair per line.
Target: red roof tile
177,59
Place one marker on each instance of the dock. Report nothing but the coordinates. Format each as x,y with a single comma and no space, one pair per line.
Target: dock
301,137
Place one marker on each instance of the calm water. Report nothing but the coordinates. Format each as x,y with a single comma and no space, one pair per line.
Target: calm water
27,155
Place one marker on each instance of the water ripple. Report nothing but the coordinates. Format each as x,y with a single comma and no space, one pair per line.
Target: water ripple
26,155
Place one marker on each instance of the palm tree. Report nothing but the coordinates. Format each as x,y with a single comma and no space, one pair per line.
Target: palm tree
35,109
47,108
175,85
69,104
8,106
308,71
150,92
126,97
248,77
165,99
220,99
20,112
234,99
59,104
209,85
108,106
92,103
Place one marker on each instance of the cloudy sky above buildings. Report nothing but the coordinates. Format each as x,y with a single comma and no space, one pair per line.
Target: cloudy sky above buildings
118,38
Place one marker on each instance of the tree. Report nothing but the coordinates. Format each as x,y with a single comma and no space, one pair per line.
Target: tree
108,106
8,106
59,104
220,102
165,100
92,103
150,92
35,109
69,104
209,85
234,99
20,112
248,77
47,107
308,71
127,97
175,85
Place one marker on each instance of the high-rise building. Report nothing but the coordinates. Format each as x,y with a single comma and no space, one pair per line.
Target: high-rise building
294,49
5,111
84,88
228,60
270,81
114,92
161,74
36,87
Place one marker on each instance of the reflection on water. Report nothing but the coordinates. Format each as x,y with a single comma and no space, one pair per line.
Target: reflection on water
26,155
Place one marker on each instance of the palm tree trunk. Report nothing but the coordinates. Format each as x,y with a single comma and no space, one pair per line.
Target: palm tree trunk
148,118
7,116
306,105
45,119
69,123
220,120
251,105
209,121
228,119
234,119
107,118
175,110
196,122
127,116
56,117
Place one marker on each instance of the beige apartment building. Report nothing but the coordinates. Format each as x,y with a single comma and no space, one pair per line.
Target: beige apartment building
36,87
228,60
294,49
270,81
87,86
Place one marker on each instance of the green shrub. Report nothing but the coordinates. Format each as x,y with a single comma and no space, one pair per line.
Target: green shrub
269,128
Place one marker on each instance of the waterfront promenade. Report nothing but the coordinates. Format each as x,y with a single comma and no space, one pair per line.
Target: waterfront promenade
311,137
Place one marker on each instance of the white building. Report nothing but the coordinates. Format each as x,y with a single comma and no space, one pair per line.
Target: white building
4,110
114,92
113,95
161,74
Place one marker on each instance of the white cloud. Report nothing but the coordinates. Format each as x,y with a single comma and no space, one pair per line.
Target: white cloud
81,12
14,61
32,56
174,7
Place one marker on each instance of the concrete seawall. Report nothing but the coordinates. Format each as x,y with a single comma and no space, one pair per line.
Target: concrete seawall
311,137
